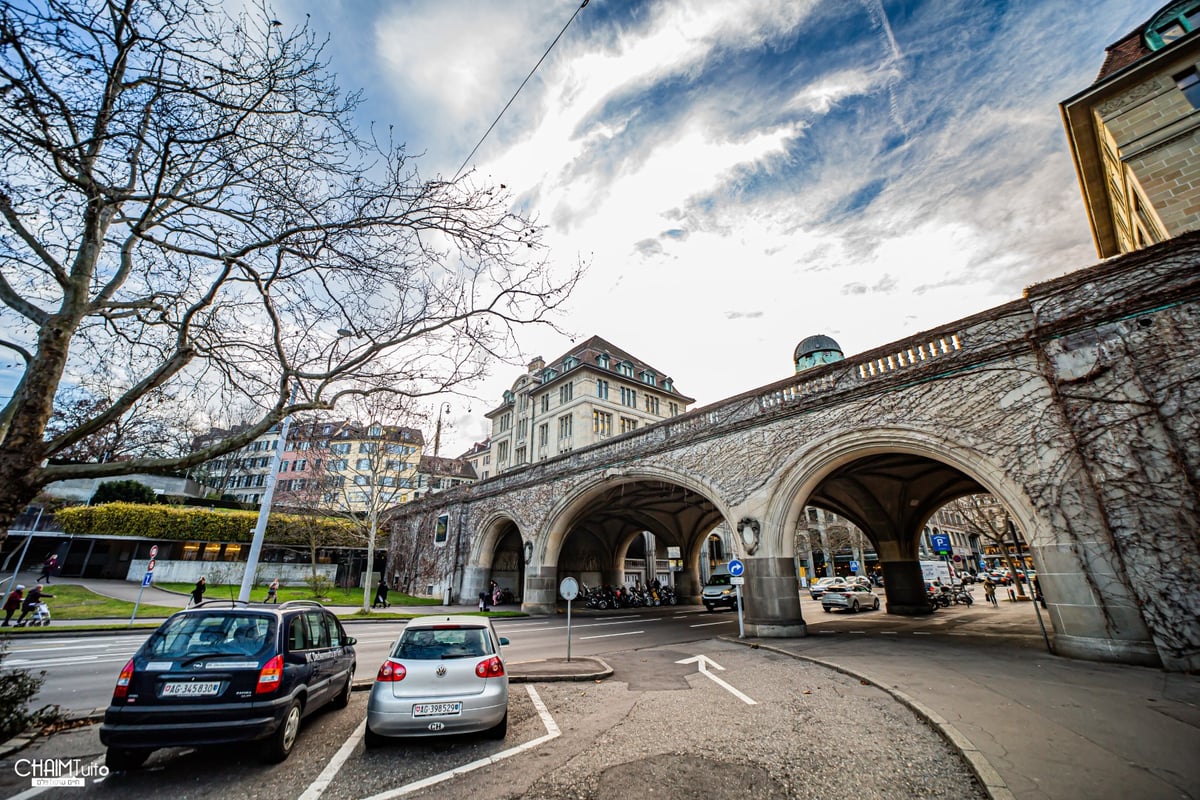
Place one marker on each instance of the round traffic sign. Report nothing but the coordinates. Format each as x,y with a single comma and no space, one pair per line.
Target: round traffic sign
736,568
153,550
569,588
150,566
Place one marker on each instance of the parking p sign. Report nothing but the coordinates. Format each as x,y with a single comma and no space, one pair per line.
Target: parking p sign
941,543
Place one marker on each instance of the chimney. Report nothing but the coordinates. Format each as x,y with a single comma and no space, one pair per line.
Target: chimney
537,364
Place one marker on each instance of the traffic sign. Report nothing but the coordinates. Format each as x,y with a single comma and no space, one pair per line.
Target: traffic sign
941,543
854,566
982,564
737,580
153,551
145,583
569,588
957,557
150,566
736,568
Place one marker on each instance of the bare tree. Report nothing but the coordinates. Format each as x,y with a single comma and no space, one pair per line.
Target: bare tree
188,207
984,515
140,432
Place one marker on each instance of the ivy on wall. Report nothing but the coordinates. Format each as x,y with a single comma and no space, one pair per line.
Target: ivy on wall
202,525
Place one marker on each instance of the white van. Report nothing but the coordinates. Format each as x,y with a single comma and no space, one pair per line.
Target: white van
719,592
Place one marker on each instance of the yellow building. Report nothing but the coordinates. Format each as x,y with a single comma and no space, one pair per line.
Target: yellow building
1135,134
592,392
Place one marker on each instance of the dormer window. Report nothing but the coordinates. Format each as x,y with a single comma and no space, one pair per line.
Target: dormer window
668,384
625,368
508,397
548,374
570,362
375,430
649,378
603,361
1175,22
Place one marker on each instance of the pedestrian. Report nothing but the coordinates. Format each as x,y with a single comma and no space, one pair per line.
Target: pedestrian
32,600
381,593
483,601
989,590
198,592
48,567
13,603
494,591
272,591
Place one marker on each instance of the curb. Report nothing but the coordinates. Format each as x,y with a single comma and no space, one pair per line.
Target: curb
605,671
987,775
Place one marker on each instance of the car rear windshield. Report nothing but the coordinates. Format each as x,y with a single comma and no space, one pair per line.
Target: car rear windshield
718,580
216,633
834,589
431,644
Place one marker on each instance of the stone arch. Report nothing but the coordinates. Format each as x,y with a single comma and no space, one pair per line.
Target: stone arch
478,566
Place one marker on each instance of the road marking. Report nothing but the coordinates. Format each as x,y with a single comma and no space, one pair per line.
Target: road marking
318,787
552,732
702,662
610,635
707,624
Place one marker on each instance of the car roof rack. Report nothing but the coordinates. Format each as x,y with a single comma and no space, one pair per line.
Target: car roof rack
312,603
232,603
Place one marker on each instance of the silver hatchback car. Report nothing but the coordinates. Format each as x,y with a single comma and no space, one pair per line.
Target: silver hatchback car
445,675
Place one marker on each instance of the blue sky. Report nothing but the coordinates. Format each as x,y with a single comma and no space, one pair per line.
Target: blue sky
740,174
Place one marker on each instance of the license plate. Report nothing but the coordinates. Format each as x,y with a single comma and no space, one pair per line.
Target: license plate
191,689
437,709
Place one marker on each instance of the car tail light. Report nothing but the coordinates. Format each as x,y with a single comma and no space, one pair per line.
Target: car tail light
391,672
492,668
122,688
270,677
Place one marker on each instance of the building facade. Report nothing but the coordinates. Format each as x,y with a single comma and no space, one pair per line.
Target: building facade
591,393
1134,134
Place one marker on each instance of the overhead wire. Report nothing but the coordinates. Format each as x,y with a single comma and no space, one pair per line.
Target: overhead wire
496,121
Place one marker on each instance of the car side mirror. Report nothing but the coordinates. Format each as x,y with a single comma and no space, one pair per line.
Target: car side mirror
351,641
503,641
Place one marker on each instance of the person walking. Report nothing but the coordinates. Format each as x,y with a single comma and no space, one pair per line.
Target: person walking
31,602
198,592
13,603
48,567
381,593
989,590
273,591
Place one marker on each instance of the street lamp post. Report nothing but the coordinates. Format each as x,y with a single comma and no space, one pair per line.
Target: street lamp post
444,408
24,550
264,509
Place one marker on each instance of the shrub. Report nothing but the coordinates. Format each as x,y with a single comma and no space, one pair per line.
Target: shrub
17,688
124,492
319,585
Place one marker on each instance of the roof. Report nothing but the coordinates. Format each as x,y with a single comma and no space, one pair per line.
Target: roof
1122,53
815,344
447,467
588,353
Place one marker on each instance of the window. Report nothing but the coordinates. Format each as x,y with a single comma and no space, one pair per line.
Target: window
520,459
300,465
283,465
651,405
1175,22
543,435
505,421
674,409
602,389
302,446
362,463
603,360
625,368
545,402
502,453
340,449
570,362
565,393
628,397
1189,83
362,480
601,423
366,447
668,385
337,464
628,424
396,466
564,427
649,378
522,428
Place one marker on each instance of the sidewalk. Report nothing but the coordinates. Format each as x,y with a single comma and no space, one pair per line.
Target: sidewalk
1033,725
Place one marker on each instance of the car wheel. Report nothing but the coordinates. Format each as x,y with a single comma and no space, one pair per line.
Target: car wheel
710,607
372,739
342,698
121,759
280,745
828,610
854,608
500,729
875,606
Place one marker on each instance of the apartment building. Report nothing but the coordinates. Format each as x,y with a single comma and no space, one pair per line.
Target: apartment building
1134,134
592,392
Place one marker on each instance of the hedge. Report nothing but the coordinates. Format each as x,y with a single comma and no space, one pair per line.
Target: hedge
203,525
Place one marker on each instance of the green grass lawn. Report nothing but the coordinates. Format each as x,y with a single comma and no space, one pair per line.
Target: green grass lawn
77,603
333,597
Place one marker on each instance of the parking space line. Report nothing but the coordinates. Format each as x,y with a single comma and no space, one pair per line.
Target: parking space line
318,787
610,635
552,732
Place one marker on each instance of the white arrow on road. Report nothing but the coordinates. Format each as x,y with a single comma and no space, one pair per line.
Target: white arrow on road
704,662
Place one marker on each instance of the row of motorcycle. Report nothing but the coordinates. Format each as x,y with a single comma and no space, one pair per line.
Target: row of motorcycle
942,596
602,597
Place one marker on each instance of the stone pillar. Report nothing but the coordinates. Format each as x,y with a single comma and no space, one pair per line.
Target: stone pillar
687,587
771,599
541,590
904,586
474,581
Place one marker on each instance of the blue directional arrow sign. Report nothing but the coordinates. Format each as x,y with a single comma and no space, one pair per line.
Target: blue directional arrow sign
736,568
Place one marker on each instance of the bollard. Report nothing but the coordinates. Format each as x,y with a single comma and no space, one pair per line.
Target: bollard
1012,594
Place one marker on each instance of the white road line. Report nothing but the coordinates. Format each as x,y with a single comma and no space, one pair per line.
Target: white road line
318,787
709,624
610,635
552,732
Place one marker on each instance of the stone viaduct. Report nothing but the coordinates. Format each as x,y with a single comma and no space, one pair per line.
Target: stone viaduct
1075,406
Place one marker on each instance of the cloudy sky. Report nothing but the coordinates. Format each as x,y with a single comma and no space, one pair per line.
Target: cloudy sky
740,174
